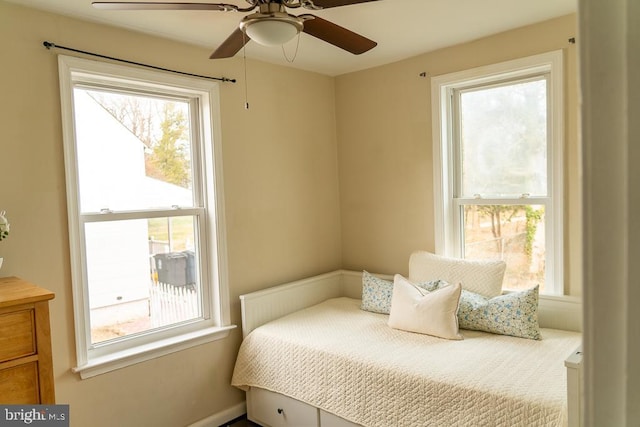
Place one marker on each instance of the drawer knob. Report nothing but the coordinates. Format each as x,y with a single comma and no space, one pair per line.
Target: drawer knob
280,411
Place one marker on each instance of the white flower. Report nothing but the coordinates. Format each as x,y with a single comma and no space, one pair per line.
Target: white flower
4,226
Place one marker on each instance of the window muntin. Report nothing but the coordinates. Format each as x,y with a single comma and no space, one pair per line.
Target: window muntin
526,191
147,238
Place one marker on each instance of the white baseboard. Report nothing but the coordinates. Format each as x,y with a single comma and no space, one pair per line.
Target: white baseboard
220,418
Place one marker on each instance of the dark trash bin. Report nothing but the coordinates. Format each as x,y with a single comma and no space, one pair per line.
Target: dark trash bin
191,267
176,268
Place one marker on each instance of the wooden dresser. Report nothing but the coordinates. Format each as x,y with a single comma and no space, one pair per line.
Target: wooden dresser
26,368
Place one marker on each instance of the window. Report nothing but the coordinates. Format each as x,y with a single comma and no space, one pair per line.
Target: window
498,168
144,198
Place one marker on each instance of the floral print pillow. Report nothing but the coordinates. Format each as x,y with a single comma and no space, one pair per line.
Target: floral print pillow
377,293
514,314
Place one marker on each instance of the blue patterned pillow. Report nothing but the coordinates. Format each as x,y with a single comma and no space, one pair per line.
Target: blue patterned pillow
514,314
377,293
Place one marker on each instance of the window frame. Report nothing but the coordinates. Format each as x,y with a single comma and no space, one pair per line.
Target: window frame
207,209
447,218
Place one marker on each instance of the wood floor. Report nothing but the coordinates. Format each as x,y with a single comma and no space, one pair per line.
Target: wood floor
240,422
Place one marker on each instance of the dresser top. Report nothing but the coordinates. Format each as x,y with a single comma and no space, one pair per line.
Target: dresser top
14,290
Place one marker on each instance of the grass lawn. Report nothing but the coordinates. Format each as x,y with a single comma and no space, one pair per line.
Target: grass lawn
182,231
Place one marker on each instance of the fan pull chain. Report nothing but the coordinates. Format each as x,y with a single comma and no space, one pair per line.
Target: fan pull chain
244,63
294,54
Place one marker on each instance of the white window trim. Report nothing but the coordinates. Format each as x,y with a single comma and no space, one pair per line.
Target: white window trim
441,86
216,324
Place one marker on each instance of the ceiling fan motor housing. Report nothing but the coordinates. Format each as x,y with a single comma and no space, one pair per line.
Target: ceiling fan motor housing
272,25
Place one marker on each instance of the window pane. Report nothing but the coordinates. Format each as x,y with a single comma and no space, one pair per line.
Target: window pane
133,151
142,275
504,140
514,234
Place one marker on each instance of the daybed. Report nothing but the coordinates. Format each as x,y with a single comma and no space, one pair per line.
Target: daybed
311,356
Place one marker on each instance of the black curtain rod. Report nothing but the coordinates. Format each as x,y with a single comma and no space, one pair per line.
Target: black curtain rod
50,45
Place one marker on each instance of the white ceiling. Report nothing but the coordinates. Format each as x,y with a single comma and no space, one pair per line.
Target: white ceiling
402,28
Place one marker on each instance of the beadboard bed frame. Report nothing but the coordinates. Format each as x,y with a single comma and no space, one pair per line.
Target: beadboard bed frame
263,306
258,308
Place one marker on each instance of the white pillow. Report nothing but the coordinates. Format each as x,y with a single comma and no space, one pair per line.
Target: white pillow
482,277
377,293
432,313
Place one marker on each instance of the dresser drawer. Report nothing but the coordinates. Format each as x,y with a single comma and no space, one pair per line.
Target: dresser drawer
271,409
19,384
17,338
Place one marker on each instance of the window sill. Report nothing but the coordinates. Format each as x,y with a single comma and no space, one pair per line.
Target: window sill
121,359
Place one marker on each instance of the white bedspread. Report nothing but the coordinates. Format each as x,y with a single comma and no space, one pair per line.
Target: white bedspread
350,363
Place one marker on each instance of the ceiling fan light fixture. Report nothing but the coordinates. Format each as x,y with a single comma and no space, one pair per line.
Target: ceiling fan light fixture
271,31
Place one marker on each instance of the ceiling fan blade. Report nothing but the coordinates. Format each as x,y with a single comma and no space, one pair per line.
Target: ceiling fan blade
324,4
120,5
336,35
231,45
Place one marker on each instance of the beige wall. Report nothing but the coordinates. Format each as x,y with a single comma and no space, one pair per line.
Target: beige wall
288,215
282,204
385,148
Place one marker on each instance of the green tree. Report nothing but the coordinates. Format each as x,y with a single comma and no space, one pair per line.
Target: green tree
534,216
163,128
168,158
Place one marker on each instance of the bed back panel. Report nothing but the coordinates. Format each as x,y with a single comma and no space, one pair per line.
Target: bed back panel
560,312
557,312
263,306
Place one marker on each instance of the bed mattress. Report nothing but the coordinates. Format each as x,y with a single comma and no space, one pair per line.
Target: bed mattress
350,363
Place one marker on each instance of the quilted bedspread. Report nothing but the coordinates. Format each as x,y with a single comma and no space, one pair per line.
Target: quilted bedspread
350,363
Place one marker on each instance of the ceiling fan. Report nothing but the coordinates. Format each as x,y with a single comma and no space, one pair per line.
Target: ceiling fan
271,25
